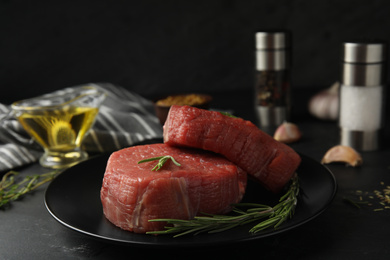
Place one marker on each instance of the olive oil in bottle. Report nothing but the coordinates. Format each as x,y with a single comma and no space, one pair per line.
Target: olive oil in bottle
59,121
59,130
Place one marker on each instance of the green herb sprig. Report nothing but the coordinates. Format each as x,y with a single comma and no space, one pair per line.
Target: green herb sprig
161,161
227,114
11,190
354,203
270,216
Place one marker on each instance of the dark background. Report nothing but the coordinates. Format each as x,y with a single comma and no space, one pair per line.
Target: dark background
156,47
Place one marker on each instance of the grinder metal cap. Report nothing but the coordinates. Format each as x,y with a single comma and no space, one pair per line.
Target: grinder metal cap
363,63
359,52
272,50
272,40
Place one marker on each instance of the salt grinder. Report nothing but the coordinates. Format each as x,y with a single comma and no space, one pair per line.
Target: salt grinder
272,78
362,95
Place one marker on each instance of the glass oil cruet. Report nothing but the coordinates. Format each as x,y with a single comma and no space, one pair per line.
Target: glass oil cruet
59,122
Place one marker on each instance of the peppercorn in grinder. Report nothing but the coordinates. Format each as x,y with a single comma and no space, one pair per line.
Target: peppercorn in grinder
272,78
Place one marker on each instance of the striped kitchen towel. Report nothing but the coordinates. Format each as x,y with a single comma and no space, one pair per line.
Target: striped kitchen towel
124,119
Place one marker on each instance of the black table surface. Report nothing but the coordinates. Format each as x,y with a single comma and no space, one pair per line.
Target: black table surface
342,231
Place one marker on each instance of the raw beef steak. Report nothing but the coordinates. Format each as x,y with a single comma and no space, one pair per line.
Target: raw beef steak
132,193
269,161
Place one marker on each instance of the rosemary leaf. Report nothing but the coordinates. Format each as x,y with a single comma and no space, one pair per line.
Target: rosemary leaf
227,114
161,161
354,203
11,190
267,216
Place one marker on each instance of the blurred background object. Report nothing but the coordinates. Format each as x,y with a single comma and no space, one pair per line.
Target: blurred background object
272,78
157,47
362,94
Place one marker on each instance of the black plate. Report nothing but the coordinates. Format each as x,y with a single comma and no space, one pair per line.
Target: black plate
73,199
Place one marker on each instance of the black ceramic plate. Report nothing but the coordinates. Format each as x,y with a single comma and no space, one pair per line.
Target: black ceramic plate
73,199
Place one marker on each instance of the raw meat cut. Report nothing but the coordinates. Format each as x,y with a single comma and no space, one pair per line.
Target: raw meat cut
132,193
269,161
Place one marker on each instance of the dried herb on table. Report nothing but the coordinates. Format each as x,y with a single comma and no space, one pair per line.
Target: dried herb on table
354,202
11,189
378,199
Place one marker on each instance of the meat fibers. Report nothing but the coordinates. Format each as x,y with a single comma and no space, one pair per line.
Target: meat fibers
271,162
132,193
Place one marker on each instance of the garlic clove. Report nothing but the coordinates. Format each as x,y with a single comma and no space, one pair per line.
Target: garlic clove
342,153
287,133
325,104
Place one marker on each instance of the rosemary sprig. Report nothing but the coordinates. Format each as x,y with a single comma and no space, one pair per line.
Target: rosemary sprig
227,114
10,190
354,202
210,223
161,161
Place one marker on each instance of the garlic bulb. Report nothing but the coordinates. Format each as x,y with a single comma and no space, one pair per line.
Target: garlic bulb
342,153
325,104
287,133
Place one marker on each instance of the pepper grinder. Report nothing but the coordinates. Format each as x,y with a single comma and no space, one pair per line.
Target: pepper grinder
362,95
272,78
